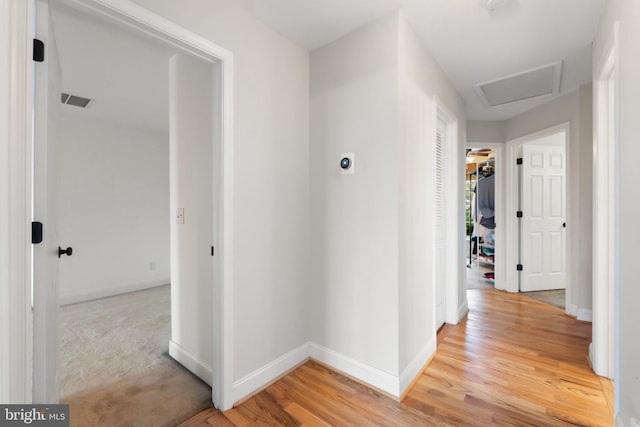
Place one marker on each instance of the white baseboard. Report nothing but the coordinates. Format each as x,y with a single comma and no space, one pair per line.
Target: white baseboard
590,355
572,310
414,368
463,309
269,372
76,297
584,315
374,377
186,359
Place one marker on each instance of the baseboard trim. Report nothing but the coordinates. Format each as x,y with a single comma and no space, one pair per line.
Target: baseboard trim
186,359
373,377
463,310
572,310
75,298
584,315
416,366
270,372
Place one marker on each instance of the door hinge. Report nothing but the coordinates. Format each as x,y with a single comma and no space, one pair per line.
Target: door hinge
519,214
212,251
519,267
38,50
36,232
519,161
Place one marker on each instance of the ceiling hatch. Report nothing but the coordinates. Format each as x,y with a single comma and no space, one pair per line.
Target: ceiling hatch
525,85
76,101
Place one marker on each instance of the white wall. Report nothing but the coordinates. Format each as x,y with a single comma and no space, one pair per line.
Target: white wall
627,376
191,88
271,178
422,84
485,131
354,108
374,92
114,207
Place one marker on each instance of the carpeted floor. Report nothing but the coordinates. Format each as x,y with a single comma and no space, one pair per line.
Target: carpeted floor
115,368
554,297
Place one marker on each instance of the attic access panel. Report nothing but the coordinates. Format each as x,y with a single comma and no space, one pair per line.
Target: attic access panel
525,85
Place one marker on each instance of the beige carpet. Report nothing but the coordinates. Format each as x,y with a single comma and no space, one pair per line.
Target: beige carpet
554,297
115,369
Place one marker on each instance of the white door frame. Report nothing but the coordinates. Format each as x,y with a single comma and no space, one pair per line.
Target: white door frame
139,19
605,201
512,188
500,254
454,217
16,86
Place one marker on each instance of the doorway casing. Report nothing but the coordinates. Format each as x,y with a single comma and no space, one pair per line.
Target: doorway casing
512,187
140,19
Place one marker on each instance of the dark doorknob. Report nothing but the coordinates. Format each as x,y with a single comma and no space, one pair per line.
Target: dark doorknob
67,252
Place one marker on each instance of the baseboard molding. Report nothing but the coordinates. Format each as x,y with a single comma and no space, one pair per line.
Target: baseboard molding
572,310
186,359
358,370
416,366
463,309
584,315
590,355
270,372
75,298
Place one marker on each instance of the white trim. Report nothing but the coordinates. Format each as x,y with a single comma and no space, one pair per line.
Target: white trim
500,173
511,205
463,309
16,76
76,297
270,372
374,377
141,19
605,232
572,310
189,361
584,315
415,367
454,256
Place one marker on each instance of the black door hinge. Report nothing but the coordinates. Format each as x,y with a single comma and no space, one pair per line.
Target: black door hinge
212,251
519,214
38,50
519,267
519,161
36,232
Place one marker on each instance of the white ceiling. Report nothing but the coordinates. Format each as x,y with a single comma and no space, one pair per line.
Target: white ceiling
127,74
471,44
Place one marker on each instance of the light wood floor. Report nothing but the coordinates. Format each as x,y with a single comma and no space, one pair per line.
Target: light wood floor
513,361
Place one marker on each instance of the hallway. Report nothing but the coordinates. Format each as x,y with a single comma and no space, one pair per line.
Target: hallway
513,360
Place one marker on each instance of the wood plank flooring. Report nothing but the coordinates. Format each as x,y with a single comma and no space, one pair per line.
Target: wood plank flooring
513,361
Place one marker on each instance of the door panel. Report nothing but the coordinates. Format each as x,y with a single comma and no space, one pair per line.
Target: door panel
544,212
45,255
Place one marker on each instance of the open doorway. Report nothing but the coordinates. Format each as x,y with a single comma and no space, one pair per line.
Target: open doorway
216,143
480,217
537,241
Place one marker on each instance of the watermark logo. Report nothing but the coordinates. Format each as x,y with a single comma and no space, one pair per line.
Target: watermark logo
34,415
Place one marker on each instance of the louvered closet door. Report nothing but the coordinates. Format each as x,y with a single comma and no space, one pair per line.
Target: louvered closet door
439,219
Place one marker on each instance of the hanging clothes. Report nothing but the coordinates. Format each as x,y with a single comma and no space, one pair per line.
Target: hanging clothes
485,193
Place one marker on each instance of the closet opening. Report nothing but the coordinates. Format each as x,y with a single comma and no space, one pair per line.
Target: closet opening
480,224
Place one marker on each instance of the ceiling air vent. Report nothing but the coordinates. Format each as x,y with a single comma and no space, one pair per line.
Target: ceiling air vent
76,101
517,87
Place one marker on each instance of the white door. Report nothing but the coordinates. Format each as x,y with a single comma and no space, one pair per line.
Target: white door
544,216
45,255
440,223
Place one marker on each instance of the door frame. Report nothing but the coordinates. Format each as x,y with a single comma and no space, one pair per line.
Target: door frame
512,190
454,217
500,253
605,206
139,19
